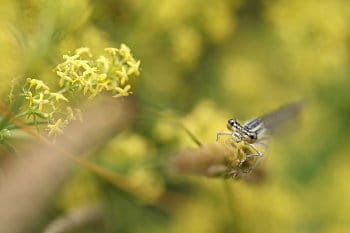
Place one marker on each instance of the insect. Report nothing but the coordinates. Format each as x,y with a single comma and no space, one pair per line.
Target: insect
256,131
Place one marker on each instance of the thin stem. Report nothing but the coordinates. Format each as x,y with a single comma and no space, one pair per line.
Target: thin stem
192,136
14,126
21,114
36,124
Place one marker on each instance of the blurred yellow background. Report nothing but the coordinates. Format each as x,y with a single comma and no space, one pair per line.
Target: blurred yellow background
206,62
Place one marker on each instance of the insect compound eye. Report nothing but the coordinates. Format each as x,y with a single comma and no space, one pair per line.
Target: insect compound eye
253,136
232,122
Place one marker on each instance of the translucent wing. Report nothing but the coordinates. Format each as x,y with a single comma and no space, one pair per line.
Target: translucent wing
255,125
273,120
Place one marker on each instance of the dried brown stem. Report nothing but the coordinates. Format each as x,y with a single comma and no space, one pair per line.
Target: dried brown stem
32,181
219,159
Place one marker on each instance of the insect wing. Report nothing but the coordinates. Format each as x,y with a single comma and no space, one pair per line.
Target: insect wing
270,122
275,119
255,125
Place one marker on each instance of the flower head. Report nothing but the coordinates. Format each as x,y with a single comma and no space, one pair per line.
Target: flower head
80,72
37,84
106,73
57,127
40,101
58,96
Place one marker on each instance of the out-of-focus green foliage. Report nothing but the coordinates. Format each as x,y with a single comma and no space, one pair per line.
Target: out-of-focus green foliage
206,61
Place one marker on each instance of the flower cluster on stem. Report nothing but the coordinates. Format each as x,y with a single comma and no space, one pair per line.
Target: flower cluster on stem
80,72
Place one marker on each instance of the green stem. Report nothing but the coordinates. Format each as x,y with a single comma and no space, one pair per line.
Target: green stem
21,114
13,126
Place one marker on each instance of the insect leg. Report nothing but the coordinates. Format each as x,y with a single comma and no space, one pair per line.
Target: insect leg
259,142
257,154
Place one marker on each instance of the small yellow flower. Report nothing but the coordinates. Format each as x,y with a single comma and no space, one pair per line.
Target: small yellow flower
63,78
89,71
38,84
134,67
102,77
29,96
40,101
70,114
103,86
112,51
80,80
74,114
58,96
125,52
123,75
70,59
104,62
57,128
83,50
82,63
89,86
103,83
122,91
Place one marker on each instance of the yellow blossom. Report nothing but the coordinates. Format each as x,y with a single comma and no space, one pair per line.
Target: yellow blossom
29,97
58,96
70,59
70,114
123,74
63,78
125,52
134,67
89,86
103,83
80,72
38,84
112,51
40,101
81,63
89,71
57,127
102,77
105,63
74,114
122,91
104,73
83,50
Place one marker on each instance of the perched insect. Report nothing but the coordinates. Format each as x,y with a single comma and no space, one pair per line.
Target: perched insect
257,130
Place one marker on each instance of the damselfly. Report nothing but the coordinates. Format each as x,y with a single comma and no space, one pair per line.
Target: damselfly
257,131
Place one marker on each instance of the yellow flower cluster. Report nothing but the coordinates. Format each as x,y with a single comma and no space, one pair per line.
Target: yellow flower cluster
39,97
44,104
79,72
106,73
